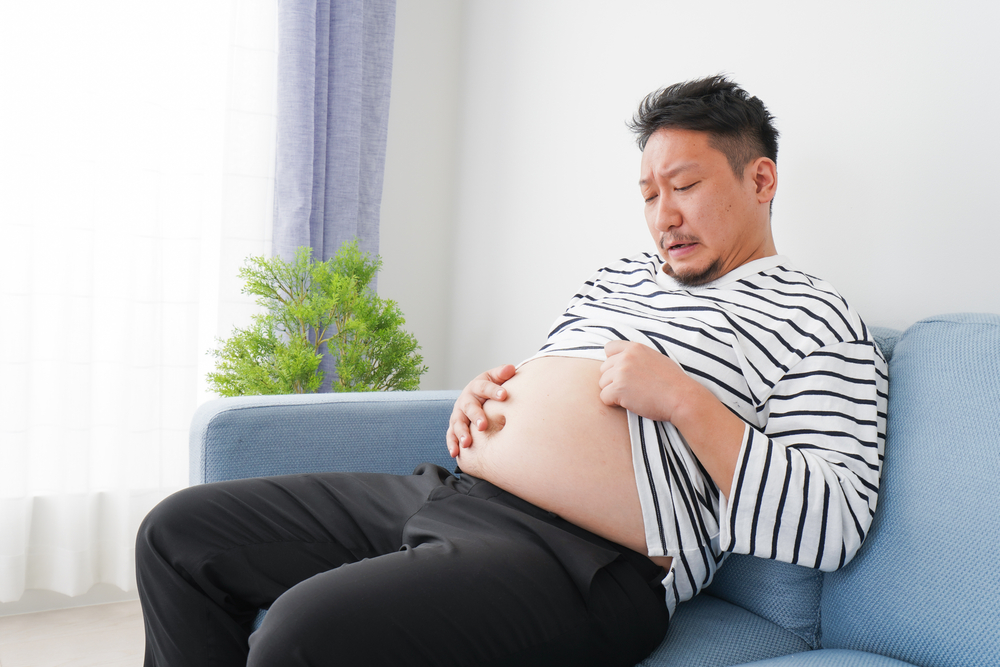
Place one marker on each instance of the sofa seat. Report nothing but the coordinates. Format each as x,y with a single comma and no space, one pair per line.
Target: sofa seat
710,631
831,657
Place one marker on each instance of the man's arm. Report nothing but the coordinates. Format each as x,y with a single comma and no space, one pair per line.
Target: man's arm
468,408
808,482
804,488
650,384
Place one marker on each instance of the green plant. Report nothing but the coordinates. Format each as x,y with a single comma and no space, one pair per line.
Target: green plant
308,304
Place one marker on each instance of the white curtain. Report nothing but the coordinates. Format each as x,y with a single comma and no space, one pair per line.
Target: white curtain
136,173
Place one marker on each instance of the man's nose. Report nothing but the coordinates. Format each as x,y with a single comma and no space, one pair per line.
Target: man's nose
667,215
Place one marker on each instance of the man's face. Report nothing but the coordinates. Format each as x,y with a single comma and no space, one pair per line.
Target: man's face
704,220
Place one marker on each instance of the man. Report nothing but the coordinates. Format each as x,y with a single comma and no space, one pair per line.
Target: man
705,400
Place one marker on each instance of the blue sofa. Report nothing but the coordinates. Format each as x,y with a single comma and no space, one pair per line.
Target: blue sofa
899,602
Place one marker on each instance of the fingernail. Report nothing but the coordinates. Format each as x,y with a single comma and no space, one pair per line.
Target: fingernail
479,424
499,393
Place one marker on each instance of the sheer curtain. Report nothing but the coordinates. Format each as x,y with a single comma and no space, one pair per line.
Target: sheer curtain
136,173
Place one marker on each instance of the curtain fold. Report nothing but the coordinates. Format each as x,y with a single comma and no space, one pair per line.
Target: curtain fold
335,68
334,74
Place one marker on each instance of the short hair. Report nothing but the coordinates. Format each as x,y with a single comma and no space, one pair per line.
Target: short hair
738,125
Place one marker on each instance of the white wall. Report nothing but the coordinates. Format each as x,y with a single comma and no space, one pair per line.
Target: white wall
418,197
887,163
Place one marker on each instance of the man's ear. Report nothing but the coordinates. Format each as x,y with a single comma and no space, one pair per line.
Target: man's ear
765,177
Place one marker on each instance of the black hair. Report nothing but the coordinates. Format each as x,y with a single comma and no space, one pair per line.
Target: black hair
738,125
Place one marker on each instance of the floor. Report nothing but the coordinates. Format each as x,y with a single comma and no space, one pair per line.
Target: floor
106,635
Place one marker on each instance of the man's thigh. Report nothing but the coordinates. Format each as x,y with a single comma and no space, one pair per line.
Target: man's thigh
250,540
465,597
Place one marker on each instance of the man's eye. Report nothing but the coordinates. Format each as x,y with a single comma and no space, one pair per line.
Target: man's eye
650,198
686,187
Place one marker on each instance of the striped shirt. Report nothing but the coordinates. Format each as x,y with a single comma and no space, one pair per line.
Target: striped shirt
784,352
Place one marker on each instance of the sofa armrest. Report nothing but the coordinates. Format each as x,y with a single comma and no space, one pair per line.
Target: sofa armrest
257,436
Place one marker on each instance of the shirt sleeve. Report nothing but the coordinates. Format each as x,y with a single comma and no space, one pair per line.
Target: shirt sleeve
806,484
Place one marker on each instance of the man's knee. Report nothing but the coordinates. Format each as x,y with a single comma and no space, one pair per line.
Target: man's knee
300,628
275,643
279,641
168,526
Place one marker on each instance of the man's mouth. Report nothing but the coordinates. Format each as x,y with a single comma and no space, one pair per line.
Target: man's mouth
675,244
680,250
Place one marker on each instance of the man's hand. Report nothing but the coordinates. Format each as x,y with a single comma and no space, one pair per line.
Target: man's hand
652,385
468,408
640,379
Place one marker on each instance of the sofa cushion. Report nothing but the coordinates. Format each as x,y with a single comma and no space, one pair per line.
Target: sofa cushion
924,587
830,658
784,594
886,339
709,632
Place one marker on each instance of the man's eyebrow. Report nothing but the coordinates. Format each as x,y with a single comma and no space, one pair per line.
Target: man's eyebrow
670,173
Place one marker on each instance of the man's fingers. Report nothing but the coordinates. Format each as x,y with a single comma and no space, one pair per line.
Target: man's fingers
458,436
606,377
471,412
465,416
613,347
489,391
468,410
501,374
487,387
608,397
461,438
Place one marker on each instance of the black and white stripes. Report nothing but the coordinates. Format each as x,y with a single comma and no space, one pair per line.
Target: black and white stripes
786,353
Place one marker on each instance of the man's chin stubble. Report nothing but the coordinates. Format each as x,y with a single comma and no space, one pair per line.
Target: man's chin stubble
692,279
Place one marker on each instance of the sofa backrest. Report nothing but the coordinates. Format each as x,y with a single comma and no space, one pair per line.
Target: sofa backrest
925,587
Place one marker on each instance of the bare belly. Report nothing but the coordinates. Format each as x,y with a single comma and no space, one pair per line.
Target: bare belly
554,443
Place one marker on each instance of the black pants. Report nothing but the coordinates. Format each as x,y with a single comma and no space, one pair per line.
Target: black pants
363,569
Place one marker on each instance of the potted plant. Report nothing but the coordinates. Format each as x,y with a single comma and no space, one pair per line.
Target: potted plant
311,306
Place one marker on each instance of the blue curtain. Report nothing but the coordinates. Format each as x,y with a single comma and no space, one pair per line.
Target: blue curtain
334,71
